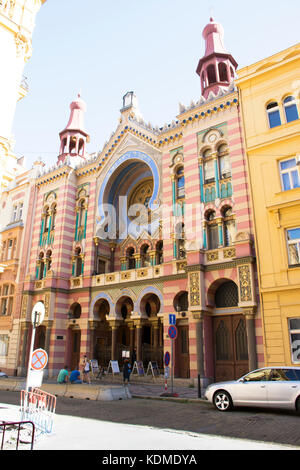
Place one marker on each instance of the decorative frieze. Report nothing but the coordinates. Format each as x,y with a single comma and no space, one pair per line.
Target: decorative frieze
194,289
245,283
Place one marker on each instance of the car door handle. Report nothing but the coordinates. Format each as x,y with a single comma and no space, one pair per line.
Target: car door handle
262,386
294,386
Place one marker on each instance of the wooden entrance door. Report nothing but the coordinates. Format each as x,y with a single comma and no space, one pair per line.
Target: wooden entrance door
231,351
183,356
75,352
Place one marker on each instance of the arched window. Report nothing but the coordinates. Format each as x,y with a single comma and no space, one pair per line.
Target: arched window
81,213
211,74
53,217
273,114
181,302
159,253
179,183
78,262
227,295
290,108
145,257
229,227
48,260
180,241
223,72
41,264
130,258
224,161
212,230
47,219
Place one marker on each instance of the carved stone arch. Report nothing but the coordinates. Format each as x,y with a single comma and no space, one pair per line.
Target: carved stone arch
50,198
221,141
205,148
150,290
212,135
104,296
177,159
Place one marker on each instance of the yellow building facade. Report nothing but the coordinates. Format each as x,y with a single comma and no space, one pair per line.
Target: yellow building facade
17,21
269,94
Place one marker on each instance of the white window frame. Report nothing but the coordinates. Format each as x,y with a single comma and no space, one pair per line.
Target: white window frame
290,242
294,331
289,170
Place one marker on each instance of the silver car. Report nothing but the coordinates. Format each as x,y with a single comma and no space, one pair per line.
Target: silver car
274,387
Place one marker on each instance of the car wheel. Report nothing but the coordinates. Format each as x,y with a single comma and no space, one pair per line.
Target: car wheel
298,405
222,400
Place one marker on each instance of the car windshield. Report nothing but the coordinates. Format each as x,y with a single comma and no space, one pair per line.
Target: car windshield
257,375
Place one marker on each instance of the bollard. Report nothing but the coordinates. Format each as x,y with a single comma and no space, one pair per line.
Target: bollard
199,386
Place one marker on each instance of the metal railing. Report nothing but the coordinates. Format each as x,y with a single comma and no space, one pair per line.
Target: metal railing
16,426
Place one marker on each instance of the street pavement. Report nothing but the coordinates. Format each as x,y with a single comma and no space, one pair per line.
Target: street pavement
185,414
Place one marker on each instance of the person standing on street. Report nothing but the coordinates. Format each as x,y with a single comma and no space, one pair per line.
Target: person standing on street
126,372
86,370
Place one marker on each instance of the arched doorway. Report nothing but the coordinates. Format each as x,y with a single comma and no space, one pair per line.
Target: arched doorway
229,334
74,336
40,337
124,308
102,333
152,330
182,354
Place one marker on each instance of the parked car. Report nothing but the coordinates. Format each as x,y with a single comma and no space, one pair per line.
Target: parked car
2,374
274,387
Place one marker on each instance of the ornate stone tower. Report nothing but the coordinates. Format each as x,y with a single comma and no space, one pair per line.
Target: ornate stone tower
17,21
216,68
73,138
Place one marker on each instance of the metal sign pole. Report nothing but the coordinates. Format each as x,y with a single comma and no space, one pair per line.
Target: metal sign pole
172,364
36,314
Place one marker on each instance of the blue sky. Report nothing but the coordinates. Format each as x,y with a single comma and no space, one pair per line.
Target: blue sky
151,47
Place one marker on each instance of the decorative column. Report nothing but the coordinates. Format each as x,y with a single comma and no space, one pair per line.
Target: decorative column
220,231
76,227
49,228
251,340
25,343
114,332
173,192
201,179
82,262
42,231
204,236
131,338
152,254
198,319
139,327
137,258
215,156
123,261
85,220
96,242
48,324
112,246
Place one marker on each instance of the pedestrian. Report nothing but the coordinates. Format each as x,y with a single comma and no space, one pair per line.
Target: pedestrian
75,377
126,371
63,376
86,370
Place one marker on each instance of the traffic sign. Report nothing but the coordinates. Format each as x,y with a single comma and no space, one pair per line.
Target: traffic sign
172,319
167,358
172,332
39,359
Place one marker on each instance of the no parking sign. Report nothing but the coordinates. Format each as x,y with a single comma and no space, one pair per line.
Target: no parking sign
39,359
